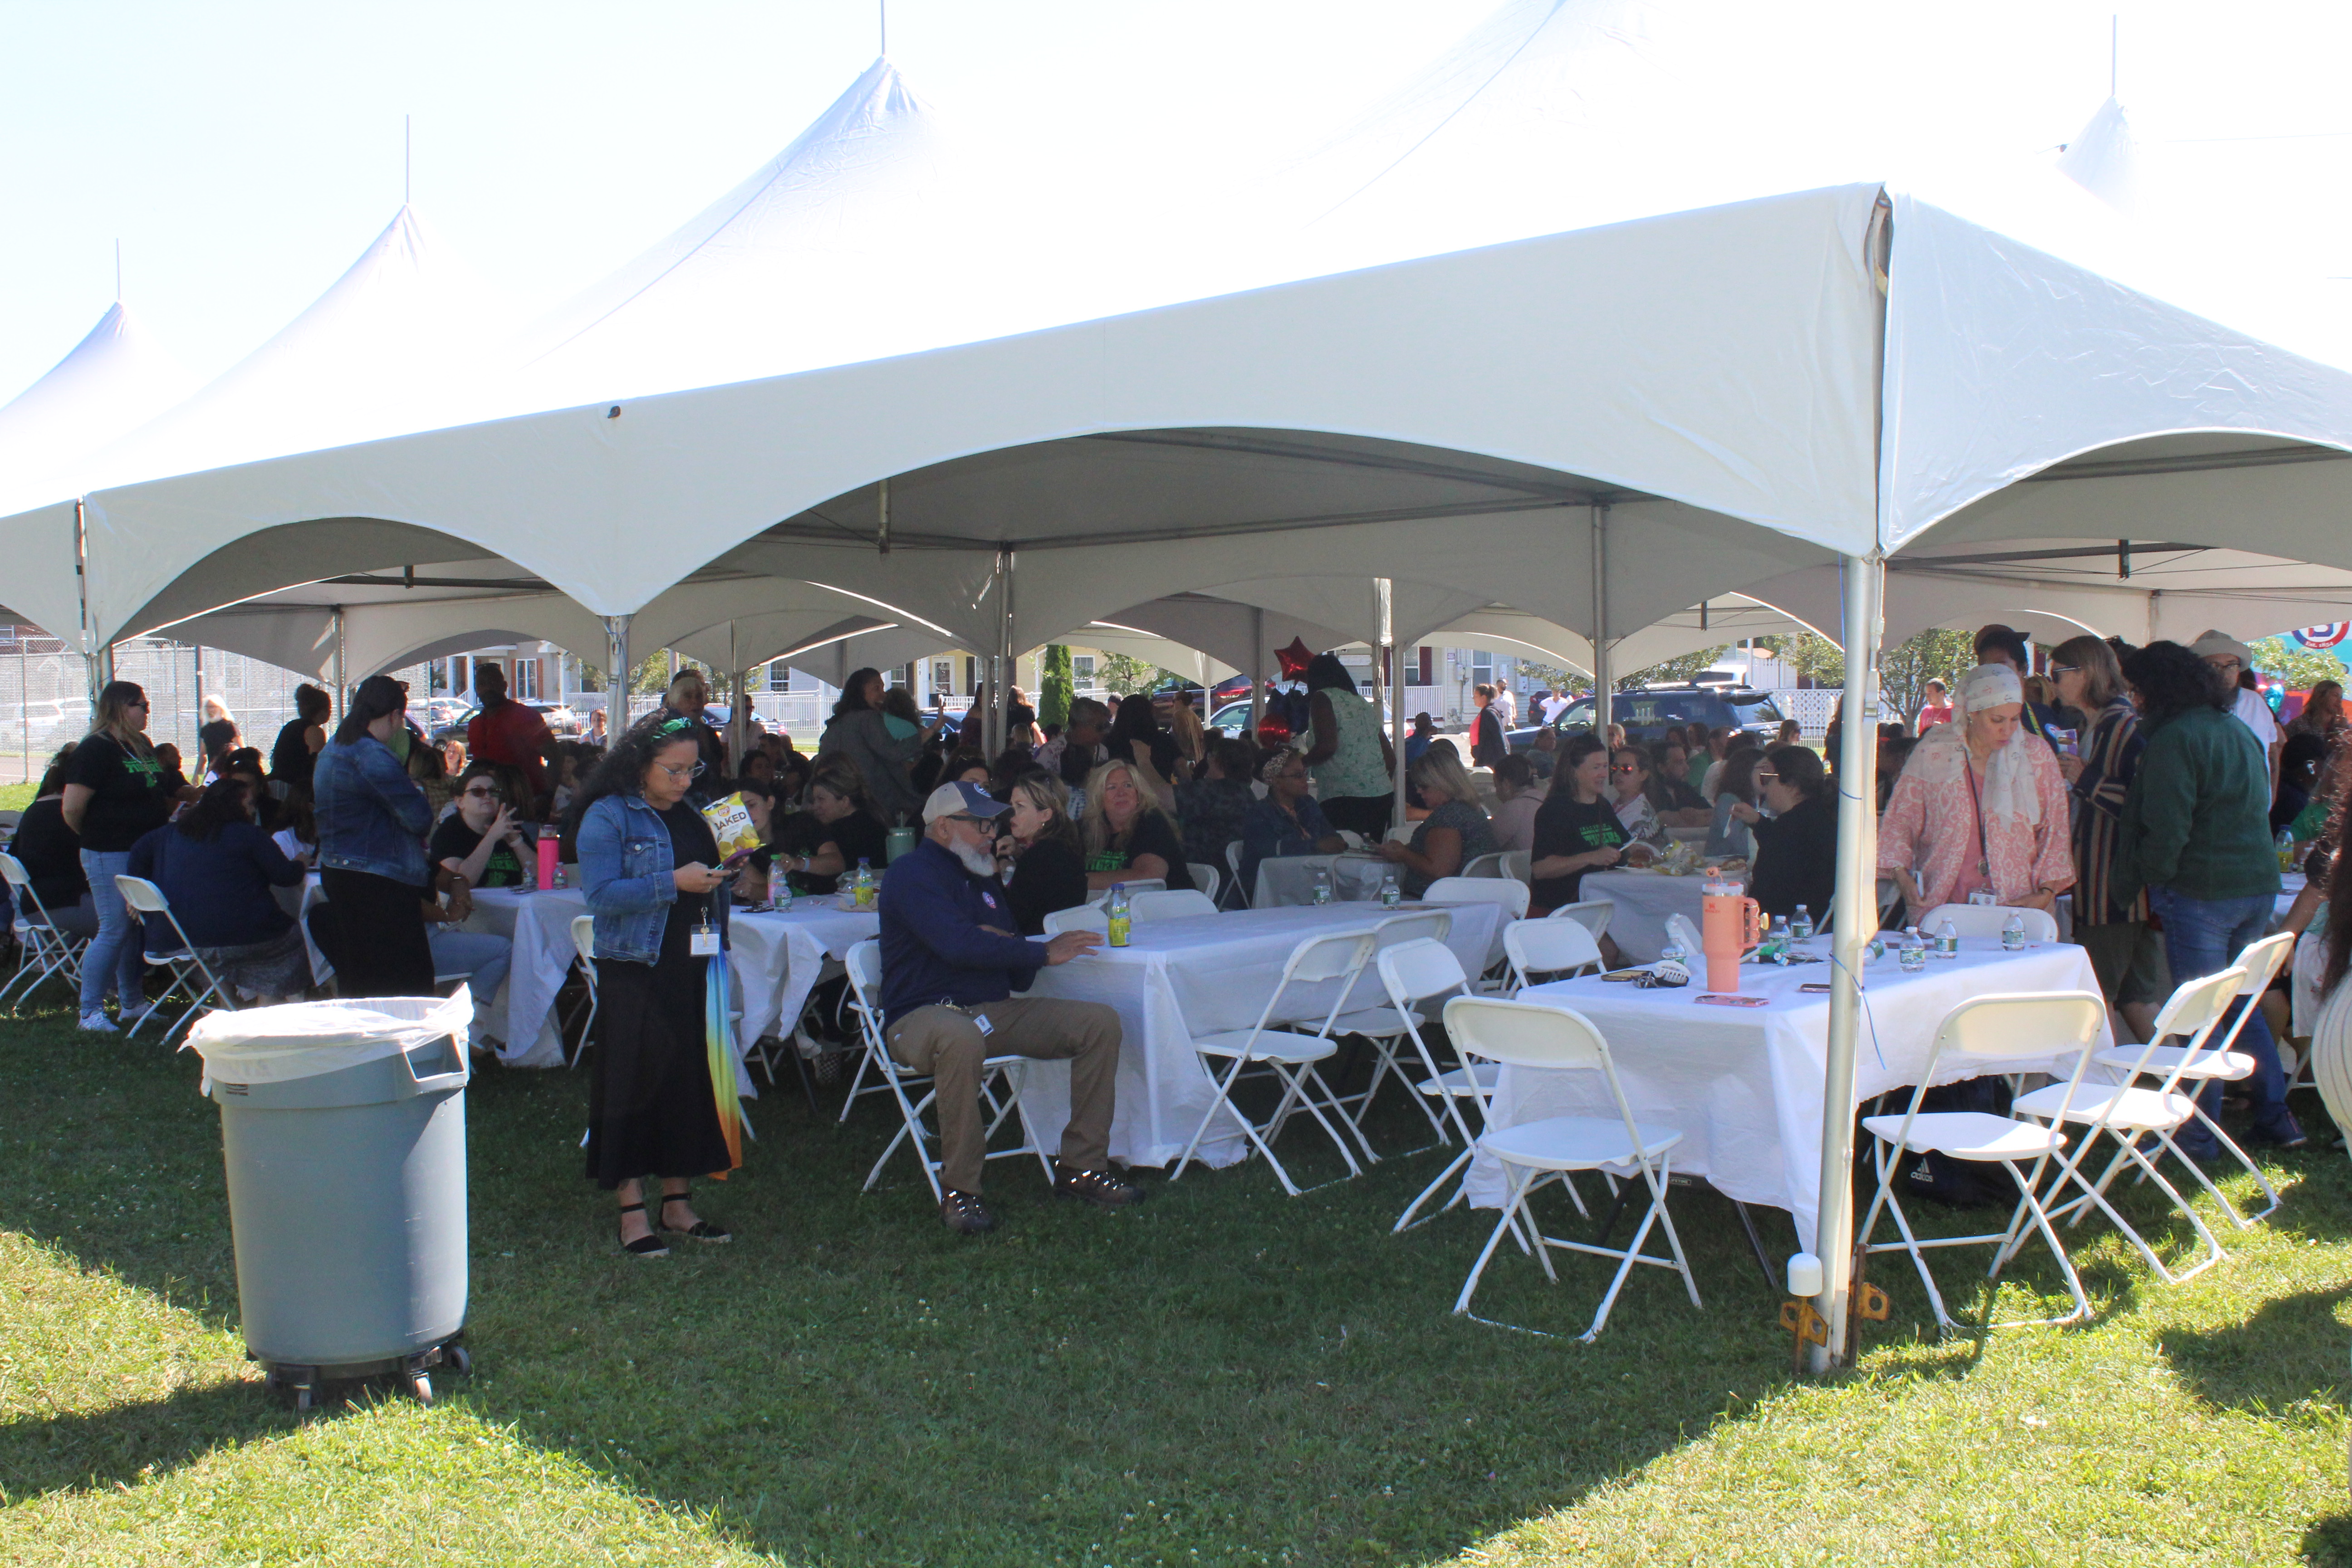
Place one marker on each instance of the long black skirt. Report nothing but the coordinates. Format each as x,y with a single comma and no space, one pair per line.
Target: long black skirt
650,1108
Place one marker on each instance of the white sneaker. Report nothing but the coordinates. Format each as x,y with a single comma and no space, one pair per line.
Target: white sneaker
96,1024
130,1016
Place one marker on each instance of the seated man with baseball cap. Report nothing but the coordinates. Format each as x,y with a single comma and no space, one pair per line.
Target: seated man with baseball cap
951,962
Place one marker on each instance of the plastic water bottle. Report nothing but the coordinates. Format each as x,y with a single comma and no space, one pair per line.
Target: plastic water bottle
1948,939
1877,948
2286,844
1390,894
2013,934
1800,925
1913,954
861,886
1674,951
1322,886
1775,949
1115,907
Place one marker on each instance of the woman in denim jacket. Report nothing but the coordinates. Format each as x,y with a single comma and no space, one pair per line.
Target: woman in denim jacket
648,866
371,823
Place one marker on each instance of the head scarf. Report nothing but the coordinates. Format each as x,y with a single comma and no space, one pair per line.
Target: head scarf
2007,787
1271,769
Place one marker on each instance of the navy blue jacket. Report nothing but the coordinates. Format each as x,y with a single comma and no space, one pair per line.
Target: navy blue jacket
933,949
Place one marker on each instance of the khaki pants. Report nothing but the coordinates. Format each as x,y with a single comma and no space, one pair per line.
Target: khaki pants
947,1043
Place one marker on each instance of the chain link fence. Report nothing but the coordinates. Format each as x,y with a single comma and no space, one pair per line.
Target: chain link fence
45,696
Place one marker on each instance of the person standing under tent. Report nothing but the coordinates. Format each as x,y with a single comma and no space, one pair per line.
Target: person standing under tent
2125,950
2233,661
648,866
371,820
1980,808
2195,833
116,794
875,746
1488,745
1997,643
1935,709
949,965
688,695
1348,754
296,750
508,731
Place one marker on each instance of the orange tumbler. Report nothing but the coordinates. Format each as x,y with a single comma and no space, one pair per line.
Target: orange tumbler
1730,926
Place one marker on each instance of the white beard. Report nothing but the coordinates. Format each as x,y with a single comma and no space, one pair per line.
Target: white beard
979,862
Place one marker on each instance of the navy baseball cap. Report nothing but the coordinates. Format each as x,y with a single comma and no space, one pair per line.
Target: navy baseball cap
961,800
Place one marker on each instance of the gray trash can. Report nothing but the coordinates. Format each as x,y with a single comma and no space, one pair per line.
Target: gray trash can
343,1128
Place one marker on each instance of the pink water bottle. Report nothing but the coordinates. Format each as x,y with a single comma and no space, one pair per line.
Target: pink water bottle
1730,924
547,850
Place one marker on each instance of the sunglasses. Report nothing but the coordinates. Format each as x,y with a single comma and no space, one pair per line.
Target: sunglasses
483,793
2065,670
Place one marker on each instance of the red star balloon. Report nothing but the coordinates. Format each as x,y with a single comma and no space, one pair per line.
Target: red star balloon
1293,658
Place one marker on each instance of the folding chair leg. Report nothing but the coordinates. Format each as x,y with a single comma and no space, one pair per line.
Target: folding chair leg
1515,1187
1405,1221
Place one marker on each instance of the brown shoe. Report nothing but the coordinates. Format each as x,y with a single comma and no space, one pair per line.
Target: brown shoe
964,1214
1099,1188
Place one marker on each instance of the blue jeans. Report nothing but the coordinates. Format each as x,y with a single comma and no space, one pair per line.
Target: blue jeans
2204,936
116,959
485,957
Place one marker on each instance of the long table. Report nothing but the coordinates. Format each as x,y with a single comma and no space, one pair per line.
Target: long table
1202,973
1744,1085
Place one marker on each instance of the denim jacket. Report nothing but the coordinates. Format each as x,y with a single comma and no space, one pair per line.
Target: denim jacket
625,865
372,817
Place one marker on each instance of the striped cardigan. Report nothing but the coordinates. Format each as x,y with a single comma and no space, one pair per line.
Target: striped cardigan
2111,749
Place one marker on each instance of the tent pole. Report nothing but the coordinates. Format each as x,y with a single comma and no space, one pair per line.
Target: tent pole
98,665
1257,673
342,681
1856,906
1000,663
617,676
1600,672
1390,701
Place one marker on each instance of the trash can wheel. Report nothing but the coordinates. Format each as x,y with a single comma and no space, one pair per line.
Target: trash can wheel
458,1360
420,1388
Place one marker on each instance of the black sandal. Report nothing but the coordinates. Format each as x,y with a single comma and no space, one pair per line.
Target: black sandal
701,1229
650,1245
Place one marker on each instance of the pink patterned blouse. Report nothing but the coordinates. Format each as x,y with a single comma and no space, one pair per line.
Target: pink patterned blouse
1930,829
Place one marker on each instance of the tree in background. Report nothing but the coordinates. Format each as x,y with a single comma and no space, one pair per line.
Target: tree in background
1811,654
1904,669
1121,676
1674,671
2300,667
1558,677
1053,685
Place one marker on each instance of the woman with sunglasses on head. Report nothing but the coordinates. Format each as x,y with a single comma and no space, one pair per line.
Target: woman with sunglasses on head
371,820
116,794
648,866
482,841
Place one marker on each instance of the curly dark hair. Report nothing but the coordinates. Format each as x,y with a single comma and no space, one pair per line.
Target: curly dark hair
2171,680
623,769
225,800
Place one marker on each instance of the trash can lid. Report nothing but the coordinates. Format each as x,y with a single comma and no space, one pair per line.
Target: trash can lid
303,1039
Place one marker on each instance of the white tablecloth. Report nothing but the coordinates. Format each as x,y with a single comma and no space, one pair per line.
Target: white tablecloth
1204,974
1289,880
776,960
539,926
1744,1085
1643,900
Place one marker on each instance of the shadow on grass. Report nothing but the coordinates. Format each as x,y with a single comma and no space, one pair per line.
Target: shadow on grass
1225,1374
2328,1543
129,1443
2290,1353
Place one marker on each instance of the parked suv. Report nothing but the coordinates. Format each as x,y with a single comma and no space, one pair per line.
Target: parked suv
1646,713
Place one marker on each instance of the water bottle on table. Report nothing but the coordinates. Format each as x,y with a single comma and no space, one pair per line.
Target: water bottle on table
1390,894
862,890
2013,934
1948,939
1913,954
1322,886
1115,909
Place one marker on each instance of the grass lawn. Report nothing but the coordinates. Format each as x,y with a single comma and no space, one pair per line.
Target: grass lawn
1224,1376
18,796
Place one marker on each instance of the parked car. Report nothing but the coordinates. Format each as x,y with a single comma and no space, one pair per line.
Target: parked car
1646,713
562,719
44,725
1233,719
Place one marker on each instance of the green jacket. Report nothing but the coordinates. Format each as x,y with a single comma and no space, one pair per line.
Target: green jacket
2198,819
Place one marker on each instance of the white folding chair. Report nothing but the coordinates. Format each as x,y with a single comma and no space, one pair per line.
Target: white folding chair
1386,1024
1992,1028
1168,904
1205,878
2260,961
1487,866
184,965
45,950
1289,1056
1079,917
996,1073
2127,1113
584,943
1517,864
1548,947
1592,914
1235,894
1510,898
1555,1039
1133,886
1988,919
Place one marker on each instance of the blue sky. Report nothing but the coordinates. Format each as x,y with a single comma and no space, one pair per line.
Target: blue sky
244,153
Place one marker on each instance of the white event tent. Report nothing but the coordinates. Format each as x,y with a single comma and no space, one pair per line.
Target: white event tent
1666,376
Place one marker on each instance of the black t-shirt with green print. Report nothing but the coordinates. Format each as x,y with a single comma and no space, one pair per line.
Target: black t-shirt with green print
128,795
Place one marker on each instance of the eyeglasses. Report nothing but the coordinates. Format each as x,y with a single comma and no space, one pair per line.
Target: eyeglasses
1762,777
2065,670
485,793
693,771
141,703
